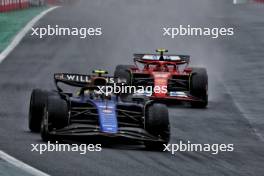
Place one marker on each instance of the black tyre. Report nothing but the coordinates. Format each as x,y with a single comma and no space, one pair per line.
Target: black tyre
56,116
122,71
157,123
36,109
199,87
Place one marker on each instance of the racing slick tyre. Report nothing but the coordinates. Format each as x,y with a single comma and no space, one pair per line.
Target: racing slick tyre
199,87
157,124
36,109
37,102
55,116
122,71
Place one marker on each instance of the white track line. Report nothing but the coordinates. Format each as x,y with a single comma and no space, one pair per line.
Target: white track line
17,39
21,165
22,33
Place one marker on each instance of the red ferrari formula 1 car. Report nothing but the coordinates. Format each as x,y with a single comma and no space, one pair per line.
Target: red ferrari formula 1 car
182,83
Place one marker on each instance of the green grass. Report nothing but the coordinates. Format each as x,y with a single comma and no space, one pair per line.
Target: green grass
12,22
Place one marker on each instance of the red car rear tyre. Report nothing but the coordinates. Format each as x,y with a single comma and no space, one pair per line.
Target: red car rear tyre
122,72
199,87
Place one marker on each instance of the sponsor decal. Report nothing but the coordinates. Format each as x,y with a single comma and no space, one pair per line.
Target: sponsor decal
85,78
178,94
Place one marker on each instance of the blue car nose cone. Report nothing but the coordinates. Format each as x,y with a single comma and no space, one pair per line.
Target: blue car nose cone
107,116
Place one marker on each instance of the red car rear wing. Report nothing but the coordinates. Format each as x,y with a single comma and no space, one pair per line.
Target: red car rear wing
166,59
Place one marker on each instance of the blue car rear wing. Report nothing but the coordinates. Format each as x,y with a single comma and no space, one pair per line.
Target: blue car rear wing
87,81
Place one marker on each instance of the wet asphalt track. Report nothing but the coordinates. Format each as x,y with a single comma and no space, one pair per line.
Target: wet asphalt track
234,64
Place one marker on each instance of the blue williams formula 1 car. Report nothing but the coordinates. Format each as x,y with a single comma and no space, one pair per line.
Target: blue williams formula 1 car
91,113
